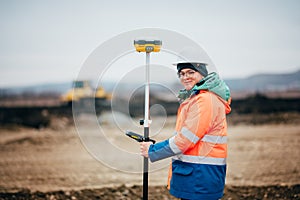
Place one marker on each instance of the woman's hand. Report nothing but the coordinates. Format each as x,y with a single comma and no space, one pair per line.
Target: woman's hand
144,147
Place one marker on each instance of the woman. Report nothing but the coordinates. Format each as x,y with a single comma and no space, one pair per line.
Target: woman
198,149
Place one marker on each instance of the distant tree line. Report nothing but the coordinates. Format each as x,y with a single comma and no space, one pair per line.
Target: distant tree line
259,103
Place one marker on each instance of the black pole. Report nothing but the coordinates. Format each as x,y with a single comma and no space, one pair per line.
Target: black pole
146,167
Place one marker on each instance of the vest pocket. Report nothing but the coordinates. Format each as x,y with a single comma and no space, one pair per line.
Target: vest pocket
183,170
182,177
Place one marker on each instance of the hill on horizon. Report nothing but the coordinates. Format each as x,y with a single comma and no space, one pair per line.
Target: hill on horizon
266,82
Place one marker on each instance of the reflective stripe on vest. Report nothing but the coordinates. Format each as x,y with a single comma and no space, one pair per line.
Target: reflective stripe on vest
200,159
213,139
189,135
216,139
173,146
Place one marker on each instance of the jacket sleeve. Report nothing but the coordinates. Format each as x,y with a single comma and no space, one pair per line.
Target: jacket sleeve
160,151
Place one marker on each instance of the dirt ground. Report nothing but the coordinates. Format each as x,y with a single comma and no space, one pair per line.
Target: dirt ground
54,163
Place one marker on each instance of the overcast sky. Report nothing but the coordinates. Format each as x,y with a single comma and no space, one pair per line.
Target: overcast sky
43,41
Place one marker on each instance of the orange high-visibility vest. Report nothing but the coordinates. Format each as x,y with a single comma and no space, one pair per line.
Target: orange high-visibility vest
198,149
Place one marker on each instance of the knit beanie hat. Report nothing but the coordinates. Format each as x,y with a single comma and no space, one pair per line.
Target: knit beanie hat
199,67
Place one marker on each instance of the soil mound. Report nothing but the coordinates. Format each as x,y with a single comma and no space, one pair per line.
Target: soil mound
157,192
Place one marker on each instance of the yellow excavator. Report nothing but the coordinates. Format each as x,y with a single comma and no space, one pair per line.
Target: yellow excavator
82,91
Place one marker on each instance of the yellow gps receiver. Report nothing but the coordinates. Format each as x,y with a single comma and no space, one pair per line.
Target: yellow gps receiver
147,45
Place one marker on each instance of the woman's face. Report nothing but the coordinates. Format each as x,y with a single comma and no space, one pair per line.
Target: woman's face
189,78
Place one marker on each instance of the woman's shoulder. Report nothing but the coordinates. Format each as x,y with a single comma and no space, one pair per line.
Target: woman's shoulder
201,97
202,94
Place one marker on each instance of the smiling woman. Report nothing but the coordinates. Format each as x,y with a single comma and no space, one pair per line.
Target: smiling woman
189,78
199,147
191,73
